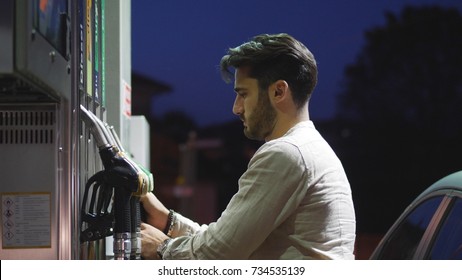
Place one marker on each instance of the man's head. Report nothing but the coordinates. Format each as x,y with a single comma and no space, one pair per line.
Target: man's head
275,57
268,69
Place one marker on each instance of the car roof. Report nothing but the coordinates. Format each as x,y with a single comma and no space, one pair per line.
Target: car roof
450,182
445,185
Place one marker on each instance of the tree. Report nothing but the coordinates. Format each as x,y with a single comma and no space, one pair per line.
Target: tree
402,99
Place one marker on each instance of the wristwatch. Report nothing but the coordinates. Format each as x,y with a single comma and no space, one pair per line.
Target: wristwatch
162,247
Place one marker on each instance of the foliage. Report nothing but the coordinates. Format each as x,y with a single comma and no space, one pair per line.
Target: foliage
402,101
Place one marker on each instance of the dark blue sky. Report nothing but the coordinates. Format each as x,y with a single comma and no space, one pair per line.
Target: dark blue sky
180,42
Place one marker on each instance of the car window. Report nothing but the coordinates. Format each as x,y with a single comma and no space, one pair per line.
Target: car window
403,242
448,242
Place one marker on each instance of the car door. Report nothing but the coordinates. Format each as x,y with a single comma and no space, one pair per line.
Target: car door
446,241
430,228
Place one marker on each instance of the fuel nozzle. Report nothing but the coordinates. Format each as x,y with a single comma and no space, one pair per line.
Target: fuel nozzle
101,138
129,181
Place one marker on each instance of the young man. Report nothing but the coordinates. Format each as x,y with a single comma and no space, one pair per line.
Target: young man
294,201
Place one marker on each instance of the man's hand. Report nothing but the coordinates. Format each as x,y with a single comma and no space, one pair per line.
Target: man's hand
150,240
156,212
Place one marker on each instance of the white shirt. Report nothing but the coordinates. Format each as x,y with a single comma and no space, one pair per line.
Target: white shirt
294,202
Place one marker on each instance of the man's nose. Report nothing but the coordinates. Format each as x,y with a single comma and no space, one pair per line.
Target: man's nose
237,106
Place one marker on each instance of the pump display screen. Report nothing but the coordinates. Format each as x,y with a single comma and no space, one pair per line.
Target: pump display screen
50,20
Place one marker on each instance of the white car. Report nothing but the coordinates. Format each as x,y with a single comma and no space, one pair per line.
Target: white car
430,227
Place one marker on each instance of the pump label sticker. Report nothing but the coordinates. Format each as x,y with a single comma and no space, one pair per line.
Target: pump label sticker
26,220
127,99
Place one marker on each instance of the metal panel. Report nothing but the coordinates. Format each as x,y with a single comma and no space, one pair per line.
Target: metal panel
6,36
118,67
140,145
29,145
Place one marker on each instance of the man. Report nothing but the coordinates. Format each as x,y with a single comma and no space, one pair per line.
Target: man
294,201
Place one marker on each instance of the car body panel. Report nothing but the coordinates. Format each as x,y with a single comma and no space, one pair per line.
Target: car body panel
449,188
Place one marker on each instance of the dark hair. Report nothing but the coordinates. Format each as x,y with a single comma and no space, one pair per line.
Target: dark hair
275,57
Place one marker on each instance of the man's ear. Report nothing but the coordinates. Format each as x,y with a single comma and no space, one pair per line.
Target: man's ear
280,88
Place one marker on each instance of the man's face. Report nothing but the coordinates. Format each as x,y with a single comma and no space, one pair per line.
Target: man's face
253,106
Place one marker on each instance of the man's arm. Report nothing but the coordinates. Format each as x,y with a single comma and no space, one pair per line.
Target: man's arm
269,191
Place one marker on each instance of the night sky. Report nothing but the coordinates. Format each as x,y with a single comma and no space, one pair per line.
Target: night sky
180,43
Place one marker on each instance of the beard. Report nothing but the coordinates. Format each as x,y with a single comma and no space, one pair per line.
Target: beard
260,123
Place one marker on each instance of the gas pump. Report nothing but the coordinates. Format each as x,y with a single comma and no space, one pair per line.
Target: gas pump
121,178
81,183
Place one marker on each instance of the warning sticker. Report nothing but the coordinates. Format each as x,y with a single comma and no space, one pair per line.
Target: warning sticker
26,220
127,99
